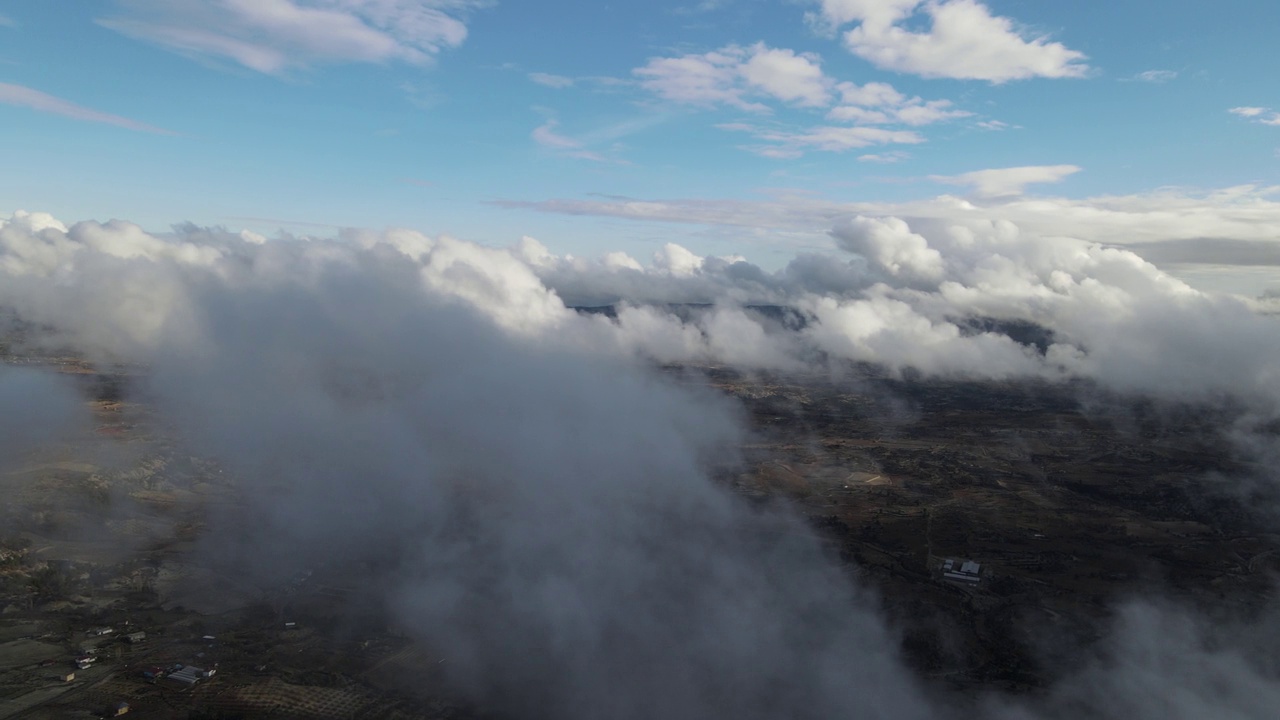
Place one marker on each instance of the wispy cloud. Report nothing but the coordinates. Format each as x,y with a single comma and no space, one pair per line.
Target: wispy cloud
1265,116
995,125
22,96
1007,182
546,136
787,144
1154,76
552,81
5,21
274,36
884,158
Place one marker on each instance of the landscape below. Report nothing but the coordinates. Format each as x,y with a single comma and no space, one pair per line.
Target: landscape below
998,525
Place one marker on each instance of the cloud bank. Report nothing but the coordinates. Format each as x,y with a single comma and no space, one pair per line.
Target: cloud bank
542,505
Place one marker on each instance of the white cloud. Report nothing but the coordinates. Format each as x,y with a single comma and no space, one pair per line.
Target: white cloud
927,113
1264,116
720,77
6,21
708,79
885,158
964,41
1003,182
546,136
22,96
995,125
828,138
880,103
554,81
742,78
860,115
880,13
1156,76
274,36
787,76
1227,231
1247,111
873,94
891,245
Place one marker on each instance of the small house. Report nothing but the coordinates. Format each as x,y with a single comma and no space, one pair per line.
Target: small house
135,638
119,709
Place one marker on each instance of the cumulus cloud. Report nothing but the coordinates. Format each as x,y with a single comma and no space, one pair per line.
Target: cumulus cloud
719,77
964,41
21,96
743,77
786,75
891,245
1245,212
434,404
749,78
274,36
879,103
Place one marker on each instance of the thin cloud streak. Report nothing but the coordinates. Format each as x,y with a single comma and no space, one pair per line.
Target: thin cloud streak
22,96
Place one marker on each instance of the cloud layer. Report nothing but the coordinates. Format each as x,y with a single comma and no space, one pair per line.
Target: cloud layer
542,504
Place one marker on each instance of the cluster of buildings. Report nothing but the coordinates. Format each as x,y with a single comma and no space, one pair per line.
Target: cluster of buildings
963,571
186,676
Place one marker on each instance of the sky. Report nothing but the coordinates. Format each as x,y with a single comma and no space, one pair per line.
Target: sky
731,127
348,241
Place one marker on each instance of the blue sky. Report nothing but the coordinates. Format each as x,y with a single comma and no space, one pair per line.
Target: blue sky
493,120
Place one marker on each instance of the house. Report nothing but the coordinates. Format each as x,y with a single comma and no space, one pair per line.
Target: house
68,677
119,708
966,571
99,632
134,638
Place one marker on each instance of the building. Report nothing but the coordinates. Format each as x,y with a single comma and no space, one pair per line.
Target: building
67,677
98,632
119,708
965,571
134,638
187,676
